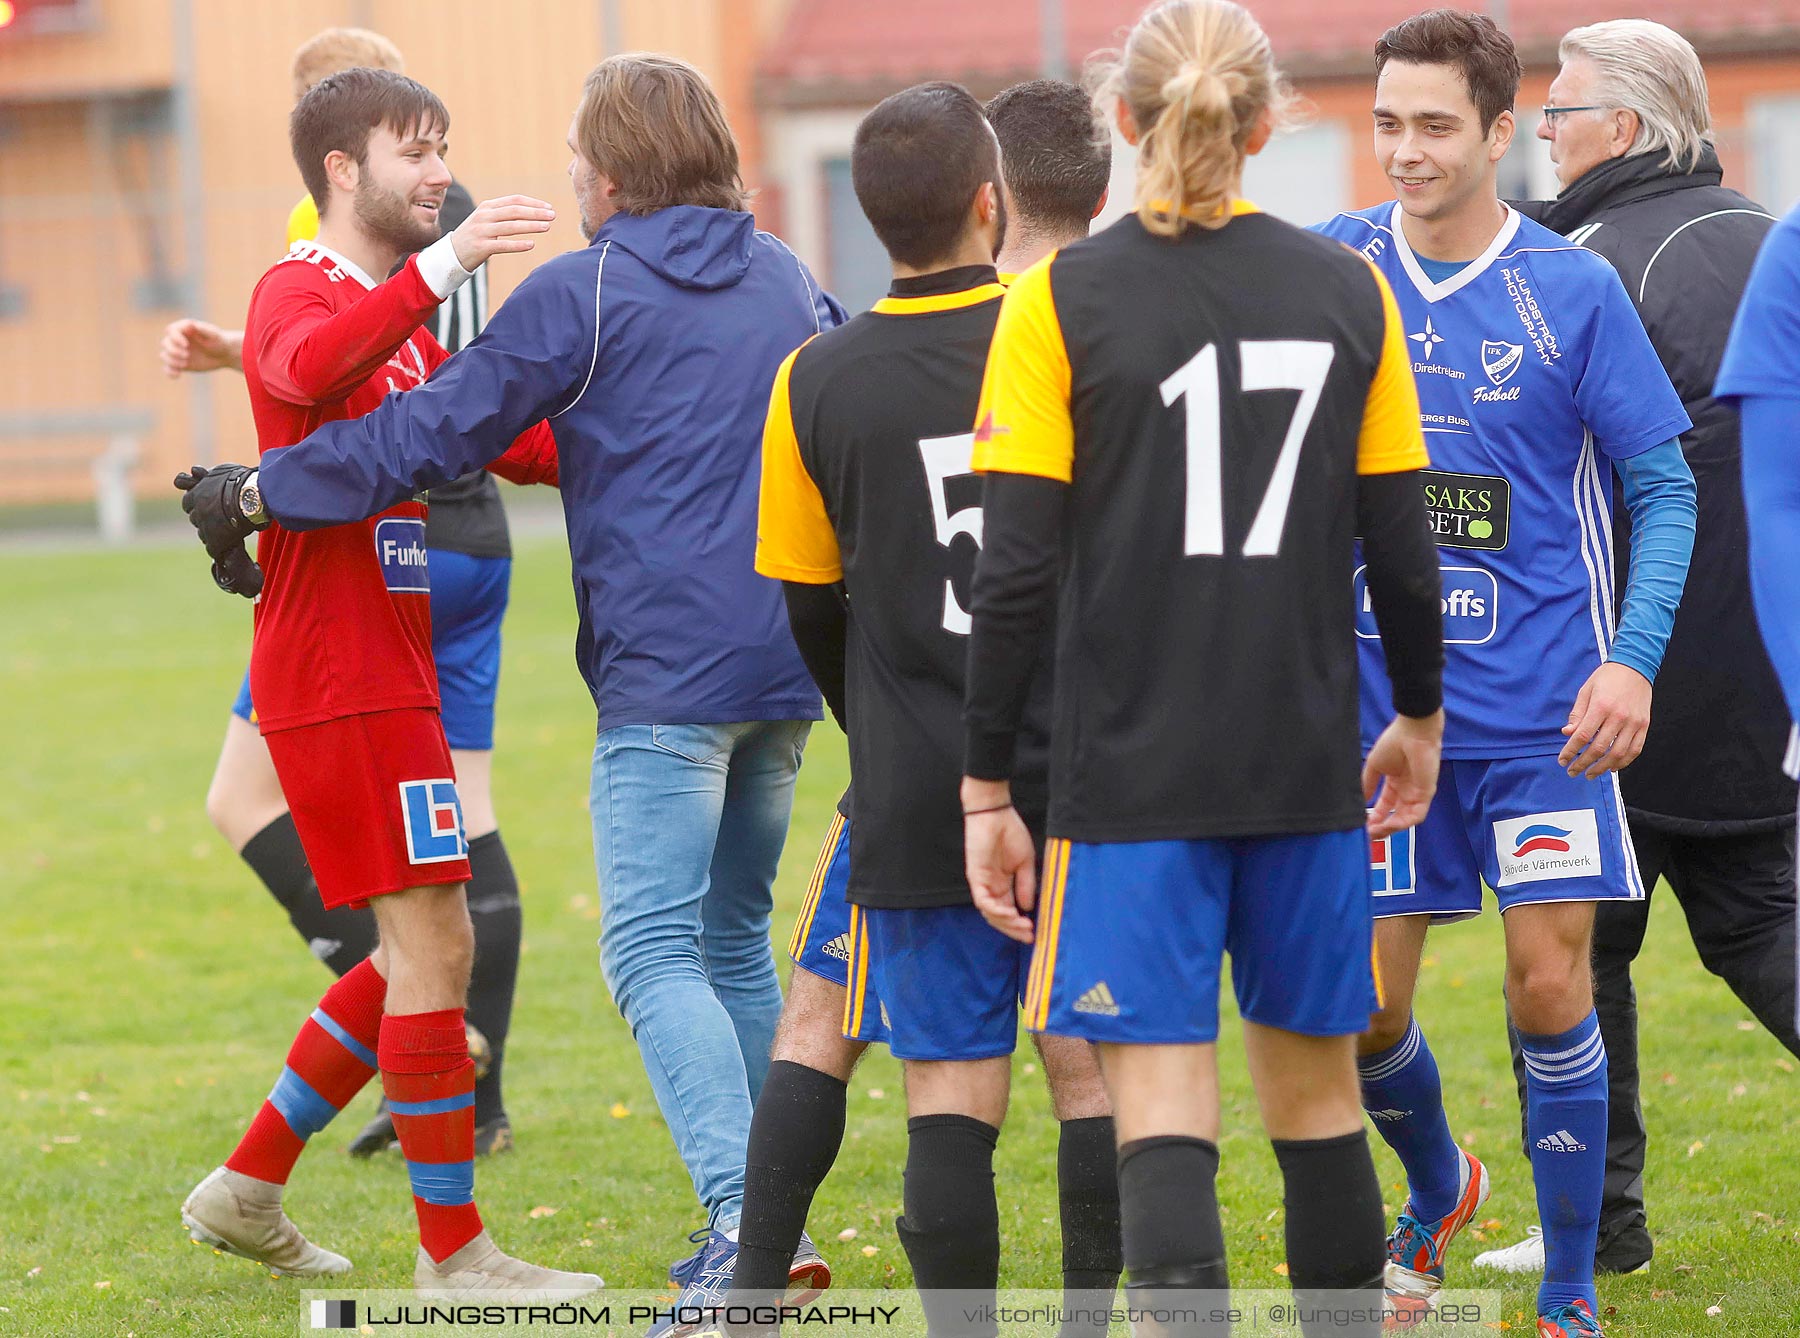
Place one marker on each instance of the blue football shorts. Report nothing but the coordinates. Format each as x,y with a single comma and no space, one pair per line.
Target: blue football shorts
934,984
1131,937
1523,826
940,982
821,940
468,602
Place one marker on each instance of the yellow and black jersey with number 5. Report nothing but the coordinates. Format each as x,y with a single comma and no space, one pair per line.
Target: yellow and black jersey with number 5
1211,400
867,479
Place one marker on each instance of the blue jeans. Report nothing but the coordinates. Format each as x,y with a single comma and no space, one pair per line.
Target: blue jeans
689,821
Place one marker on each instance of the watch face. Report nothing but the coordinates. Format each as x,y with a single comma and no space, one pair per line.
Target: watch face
250,501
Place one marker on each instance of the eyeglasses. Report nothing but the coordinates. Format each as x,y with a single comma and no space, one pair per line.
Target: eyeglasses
1551,113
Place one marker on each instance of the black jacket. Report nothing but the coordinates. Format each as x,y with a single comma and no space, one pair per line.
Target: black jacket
1683,245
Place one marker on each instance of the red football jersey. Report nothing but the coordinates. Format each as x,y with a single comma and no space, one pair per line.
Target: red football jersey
343,626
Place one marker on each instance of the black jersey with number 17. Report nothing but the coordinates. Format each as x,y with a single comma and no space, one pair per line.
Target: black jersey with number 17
867,479
1210,399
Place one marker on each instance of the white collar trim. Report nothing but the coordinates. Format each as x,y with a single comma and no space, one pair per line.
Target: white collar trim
1470,272
348,265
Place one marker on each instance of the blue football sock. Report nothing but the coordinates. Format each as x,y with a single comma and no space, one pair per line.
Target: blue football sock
1565,1114
1401,1092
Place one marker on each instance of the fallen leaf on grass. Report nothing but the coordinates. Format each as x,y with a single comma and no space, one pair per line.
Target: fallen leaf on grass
1695,1147
1685,1268
876,1094
620,1111
847,1234
543,1210
102,1286
65,1138
34,1272
1738,1091
1746,1026
1714,1311
1785,1065
870,1251
1492,1224
1282,1268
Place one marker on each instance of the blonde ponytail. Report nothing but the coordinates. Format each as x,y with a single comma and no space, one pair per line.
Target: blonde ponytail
1197,75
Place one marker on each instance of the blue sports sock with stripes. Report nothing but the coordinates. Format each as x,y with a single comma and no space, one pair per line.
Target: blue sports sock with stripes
1565,1117
1405,1099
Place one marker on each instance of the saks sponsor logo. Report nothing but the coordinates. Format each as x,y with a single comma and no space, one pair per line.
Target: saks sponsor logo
1470,604
1541,846
1537,329
1467,510
400,544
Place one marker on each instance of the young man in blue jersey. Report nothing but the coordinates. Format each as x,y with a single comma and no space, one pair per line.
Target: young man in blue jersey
1536,380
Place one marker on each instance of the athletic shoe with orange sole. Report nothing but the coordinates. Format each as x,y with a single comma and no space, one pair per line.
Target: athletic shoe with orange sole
1415,1267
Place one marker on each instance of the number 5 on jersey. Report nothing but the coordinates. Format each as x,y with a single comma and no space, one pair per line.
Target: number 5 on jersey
945,458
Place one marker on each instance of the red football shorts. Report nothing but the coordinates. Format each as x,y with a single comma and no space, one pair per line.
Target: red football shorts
374,800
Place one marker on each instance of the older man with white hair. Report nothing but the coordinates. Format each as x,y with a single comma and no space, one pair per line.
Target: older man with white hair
1709,807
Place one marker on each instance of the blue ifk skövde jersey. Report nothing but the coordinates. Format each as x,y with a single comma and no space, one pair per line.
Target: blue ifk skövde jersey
1534,373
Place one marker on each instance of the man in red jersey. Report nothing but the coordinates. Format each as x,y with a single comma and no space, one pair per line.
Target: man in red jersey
342,673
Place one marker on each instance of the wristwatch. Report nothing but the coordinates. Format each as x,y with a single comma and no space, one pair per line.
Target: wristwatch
250,500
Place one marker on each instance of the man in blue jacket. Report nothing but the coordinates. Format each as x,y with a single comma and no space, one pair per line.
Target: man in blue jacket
651,352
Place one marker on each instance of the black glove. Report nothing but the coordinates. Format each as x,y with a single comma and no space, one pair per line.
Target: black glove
210,498
237,573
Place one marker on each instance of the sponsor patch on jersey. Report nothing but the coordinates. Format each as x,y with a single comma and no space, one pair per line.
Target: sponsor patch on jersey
1391,868
1467,510
400,544
431,815
1471,606
1565,844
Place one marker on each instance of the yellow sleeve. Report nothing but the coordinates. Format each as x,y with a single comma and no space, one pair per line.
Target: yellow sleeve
1023,425
303,221
1392,439
795,539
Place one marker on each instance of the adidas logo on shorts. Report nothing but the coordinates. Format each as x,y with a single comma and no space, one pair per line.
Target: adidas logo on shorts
1098,1000
839,947
1561,1141
1389,1116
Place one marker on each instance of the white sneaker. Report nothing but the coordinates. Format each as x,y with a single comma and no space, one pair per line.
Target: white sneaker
481,1267
238,1214
1525,1257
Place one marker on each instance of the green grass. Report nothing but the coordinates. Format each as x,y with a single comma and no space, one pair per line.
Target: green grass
148,989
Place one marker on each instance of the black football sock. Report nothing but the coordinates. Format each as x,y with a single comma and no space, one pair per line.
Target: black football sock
1087,1189
339,938
951,1228
795,1134
1335,1232
494,911
1170,1230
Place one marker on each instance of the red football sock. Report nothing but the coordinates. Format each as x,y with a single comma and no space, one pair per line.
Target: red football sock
430,1085
331,1059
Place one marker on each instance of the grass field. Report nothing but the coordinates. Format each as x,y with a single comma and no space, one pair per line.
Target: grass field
148,988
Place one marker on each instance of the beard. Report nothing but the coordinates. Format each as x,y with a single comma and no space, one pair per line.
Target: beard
388,216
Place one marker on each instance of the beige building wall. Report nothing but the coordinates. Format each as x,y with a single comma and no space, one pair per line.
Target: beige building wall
84,211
